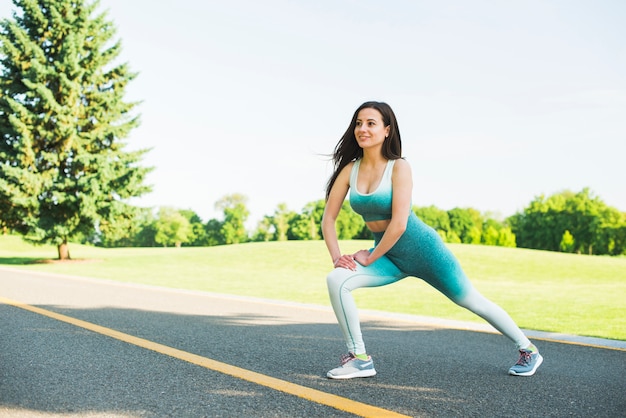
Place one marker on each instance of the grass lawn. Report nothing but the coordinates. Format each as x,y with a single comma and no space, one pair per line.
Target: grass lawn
566,293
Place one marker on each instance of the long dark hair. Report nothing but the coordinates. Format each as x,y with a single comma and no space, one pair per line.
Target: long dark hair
348,149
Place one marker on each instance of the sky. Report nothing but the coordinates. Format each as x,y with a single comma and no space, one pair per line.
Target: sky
498,102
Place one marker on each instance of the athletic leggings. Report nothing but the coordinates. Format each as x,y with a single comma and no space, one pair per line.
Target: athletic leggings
420,252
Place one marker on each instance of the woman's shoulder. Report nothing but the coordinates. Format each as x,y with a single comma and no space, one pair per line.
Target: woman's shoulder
401,167
348,167
346,171
401,164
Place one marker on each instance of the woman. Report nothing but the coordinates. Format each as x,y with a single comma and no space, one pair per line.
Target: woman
368,164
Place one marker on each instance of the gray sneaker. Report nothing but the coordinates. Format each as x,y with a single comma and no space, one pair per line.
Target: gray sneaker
352,367
527,364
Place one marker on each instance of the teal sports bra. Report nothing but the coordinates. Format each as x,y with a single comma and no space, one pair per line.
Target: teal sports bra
375,206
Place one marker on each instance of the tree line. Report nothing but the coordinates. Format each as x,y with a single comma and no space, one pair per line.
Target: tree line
566,221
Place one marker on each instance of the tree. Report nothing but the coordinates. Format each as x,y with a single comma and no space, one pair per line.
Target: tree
434,217
612,232
233,228
466,224
308,224
280,220
172,228
198,236
140,232
265,230
146,237
506,238
540,225
302,227
567,242
349,224
490,235
213,229
496,233
315,210
63,168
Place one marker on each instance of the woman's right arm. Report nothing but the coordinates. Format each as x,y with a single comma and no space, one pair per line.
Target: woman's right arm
336,197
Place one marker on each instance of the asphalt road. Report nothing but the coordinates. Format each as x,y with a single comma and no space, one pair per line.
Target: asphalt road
91,348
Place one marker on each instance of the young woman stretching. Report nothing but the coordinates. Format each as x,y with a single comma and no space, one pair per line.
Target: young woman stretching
368,164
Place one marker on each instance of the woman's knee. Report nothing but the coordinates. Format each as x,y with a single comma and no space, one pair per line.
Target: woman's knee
342,280
474,301
336,278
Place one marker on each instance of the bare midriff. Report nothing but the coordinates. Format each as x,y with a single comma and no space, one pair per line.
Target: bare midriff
378,226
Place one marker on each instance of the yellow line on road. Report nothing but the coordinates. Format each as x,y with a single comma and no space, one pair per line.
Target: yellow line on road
304,392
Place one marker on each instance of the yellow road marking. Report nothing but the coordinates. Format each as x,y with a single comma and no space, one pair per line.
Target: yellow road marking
304,392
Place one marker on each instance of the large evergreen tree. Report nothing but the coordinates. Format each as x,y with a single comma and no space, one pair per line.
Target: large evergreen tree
64,171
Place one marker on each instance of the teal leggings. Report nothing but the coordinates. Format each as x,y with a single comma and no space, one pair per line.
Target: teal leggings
420,252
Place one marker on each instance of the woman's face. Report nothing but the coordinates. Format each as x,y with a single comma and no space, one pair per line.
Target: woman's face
370,131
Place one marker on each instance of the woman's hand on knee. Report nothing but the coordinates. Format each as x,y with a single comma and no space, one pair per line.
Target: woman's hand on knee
345,261
362,257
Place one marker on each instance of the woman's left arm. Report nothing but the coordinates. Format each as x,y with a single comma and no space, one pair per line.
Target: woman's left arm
402,186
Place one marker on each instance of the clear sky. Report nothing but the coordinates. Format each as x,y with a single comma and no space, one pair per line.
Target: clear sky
497,101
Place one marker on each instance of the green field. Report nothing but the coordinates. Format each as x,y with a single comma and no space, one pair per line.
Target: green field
546,291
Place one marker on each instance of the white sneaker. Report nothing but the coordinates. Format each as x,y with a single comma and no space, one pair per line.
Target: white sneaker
352,367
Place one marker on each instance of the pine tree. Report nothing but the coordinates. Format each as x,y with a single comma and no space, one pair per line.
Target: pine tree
64,171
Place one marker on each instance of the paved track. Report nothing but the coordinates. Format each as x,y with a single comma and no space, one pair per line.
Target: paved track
84,347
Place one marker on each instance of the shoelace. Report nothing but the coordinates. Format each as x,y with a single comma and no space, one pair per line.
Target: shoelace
524,358
346,358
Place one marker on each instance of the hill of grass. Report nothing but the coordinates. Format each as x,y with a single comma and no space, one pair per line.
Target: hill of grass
566,293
